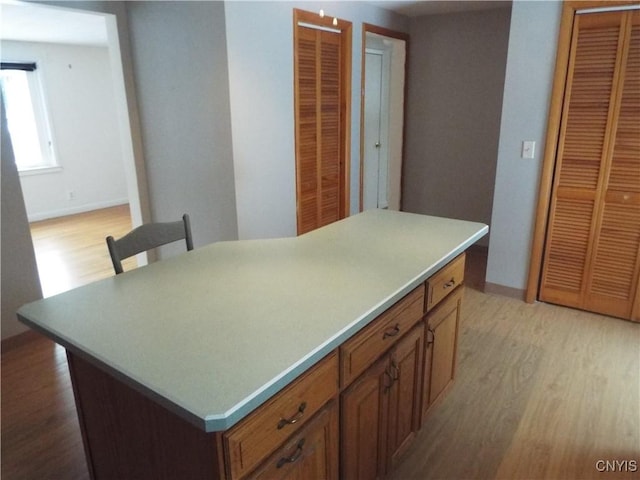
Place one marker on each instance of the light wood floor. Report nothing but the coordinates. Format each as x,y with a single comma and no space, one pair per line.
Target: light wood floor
71,251
542,392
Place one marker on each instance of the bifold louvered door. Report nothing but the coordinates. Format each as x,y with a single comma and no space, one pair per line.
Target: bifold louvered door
320,126
592,247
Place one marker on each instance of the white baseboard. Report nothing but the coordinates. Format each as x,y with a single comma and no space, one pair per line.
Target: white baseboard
63,212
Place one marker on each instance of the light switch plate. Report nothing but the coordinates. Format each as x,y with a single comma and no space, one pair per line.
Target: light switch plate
528,149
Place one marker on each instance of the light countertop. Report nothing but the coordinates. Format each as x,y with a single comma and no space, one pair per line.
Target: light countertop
215,332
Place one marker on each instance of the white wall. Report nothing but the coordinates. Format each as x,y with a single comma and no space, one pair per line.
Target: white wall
78,88
260,52
527,94
456,74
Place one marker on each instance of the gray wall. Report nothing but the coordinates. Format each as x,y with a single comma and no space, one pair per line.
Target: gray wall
180,59
19,277
527,94
456,76
260,46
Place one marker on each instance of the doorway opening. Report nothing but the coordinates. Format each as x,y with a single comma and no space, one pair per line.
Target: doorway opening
42,31
382,117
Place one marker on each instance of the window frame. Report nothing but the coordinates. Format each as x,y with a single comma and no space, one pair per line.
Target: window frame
41,115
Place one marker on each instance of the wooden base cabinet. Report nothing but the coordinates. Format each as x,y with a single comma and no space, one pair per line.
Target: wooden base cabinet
440,348
380,411
277,425
351,416
312,453
363,417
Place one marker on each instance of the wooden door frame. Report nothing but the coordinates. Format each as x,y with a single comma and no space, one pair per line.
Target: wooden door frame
370,28
345,28
569,9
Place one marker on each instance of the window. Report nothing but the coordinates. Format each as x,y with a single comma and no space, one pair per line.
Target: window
26,117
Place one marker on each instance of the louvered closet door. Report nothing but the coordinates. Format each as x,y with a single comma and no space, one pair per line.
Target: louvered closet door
591,251
613,276
318,130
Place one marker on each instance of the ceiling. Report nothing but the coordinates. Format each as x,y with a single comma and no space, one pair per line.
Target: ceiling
433,7
38,23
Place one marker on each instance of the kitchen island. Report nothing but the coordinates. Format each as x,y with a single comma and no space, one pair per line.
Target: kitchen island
175,365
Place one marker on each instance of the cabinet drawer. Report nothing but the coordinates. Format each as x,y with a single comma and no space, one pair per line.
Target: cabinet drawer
359,352
311,453
254,438
445,281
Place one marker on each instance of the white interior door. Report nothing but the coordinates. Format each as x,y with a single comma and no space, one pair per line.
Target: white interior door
383,122
372,128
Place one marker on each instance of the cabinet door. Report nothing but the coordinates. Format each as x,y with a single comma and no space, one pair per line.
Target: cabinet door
406,364
440,351
364,423
312,453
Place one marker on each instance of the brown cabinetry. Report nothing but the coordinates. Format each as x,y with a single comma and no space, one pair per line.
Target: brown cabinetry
310,454
404,395
381,410
352,415
445,281
440,348
363,417
255,438
394,370
359,352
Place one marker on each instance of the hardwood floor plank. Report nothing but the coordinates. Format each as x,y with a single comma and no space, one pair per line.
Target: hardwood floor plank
71,251
40,432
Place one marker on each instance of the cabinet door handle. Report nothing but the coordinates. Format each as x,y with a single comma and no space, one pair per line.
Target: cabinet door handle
391,380
293,458
290,421
395,370
431,336
392,332
449,284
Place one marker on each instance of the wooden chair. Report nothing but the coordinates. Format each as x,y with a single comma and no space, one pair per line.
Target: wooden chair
146,237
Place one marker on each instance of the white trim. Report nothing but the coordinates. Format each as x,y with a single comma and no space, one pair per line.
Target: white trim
617,8
319,27
87,207
40,171
127,134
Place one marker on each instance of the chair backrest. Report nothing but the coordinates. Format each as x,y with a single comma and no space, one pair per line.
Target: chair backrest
146,237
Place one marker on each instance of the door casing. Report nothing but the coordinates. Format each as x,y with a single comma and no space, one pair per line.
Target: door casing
394,180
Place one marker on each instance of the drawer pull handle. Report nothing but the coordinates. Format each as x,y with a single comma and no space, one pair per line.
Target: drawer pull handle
290,421
449,284
293,458
392,332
